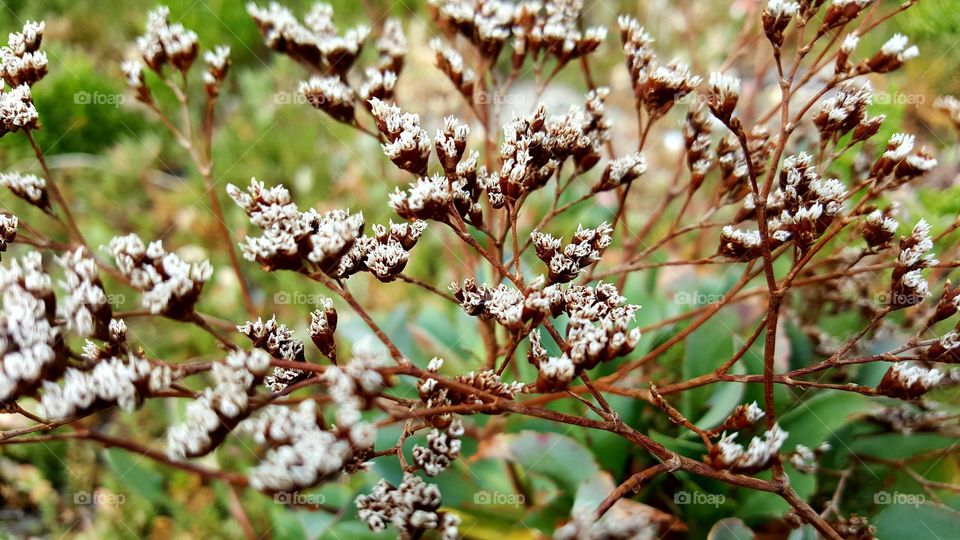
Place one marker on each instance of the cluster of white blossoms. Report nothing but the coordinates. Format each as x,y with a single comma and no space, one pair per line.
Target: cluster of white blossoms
29,187
451,63
273,337
323,325
218,410
412,508
17,112
408,144
900,163
31,345
278,340
302,453
621,171
85,308
584,249
537,29
846,111
909,286
170,286
165,43
612,526
21,61
599,330
906,380
111,382
893,54
879,228
442,448
384,255
331,95
316,42
804,459
218,62
9,224
759,454
292,238
504,303
722,95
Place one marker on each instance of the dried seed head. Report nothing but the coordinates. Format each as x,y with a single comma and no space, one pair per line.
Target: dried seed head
776,16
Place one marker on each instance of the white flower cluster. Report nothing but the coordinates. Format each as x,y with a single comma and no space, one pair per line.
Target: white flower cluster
901,161
722,95
451,63
738,244
214,414
323,325
442,448
278,340
273,337
218,62
598,331
504,303
412,508
846,111
621,171
170,286
165,43
20,61
85,307
331,95
612,526
384,255
660,86
111,381
408,144
728,454
893,54
377,84
302,453
584,249
879,229
910,381
28,187
909,286
8,230
31,345
538,29
17,112
807,203
315,42
291,237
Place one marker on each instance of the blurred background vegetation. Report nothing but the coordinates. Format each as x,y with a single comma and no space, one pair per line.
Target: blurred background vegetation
123,173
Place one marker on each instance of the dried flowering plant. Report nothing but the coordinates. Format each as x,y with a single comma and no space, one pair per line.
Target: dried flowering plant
833,326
